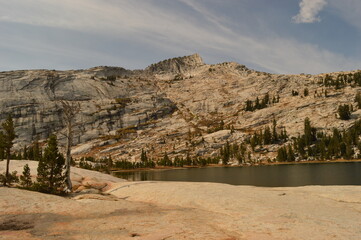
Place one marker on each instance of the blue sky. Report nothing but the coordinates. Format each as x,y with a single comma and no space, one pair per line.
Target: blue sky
278,36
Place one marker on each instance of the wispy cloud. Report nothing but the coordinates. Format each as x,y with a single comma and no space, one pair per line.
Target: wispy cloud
349,10
195,28
309,10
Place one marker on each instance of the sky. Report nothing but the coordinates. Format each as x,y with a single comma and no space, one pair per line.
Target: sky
277,36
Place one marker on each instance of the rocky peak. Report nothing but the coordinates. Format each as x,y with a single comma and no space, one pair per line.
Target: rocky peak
177,65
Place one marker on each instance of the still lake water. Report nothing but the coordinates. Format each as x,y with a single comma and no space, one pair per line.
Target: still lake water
265,176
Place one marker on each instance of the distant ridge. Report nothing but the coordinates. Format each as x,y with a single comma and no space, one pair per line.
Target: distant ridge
177,65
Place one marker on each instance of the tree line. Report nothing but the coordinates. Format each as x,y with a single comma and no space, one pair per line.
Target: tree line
257,104
343,80
50,171
316,144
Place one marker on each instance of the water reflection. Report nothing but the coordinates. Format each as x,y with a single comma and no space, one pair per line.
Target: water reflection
267,176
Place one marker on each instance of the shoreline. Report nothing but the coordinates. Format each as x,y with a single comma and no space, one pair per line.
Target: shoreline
242,165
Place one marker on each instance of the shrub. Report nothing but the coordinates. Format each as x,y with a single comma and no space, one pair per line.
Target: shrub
12,178
25,179
305,92
344,112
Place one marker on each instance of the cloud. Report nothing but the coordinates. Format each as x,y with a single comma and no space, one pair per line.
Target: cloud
309,10
348,10
174,28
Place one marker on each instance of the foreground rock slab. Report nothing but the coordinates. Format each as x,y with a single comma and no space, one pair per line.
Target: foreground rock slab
178,210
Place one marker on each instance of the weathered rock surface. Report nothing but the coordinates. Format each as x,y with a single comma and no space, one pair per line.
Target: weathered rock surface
174,210
172,106
107,104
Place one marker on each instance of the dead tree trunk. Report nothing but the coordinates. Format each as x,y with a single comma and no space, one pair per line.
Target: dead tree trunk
69,138
70,109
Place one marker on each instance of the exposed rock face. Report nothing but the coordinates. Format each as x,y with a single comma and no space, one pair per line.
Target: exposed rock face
174,106
177,65
108,103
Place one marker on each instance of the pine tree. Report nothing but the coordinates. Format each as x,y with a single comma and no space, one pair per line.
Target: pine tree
9,136
260,138
322,149
25,153
51,177
165,161
283,135
290,154
188,159
2,145
30,153
334,147
301,144
267,136
249,106
344,112
25,179
305,92
243,149
226,153
143,156
265,100
282,154
274,131
253,142
308,131
36,150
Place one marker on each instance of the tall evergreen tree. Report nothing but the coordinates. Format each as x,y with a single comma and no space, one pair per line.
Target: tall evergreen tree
283,135
188,159
51,177
301,144
290,154
143,156
25,153
36,150
282,154
267,136
9,136
30,153
274,131
2,145
322,149
308,131
265,100
226,153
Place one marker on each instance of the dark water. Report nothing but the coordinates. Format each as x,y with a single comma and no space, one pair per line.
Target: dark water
267,176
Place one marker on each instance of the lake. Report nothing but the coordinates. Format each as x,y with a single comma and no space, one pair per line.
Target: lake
266,176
